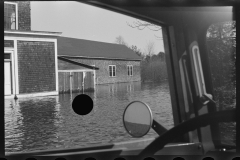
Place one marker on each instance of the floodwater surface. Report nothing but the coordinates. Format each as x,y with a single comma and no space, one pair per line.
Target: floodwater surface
41,123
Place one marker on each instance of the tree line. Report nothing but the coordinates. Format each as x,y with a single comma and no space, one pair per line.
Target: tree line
221,43
153,66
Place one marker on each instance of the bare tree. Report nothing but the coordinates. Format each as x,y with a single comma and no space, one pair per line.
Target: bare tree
137,51
150,48
120,40
142,25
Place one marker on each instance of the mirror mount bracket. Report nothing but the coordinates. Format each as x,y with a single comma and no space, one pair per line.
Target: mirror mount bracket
138,120
158,128
206,98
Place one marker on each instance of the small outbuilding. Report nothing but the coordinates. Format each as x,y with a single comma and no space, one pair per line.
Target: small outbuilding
75,76
84,61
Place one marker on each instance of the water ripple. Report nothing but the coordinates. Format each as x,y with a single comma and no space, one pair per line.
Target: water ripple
49,122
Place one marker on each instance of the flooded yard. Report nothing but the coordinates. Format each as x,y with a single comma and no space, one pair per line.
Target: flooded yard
50,123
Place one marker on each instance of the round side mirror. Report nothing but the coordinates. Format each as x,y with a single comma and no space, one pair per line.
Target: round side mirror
137,119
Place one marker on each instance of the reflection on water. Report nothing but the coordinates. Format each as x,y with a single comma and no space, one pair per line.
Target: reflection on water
49,122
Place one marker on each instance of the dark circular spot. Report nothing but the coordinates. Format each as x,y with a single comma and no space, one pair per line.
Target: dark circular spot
82,104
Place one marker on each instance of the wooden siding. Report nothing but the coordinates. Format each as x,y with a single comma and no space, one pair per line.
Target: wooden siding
36,66
77,81
24,15
73,82
63,65
102,75
64,82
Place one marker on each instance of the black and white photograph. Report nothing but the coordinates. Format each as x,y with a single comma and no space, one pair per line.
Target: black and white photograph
119,79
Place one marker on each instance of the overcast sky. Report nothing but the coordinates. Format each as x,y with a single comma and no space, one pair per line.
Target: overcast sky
78,20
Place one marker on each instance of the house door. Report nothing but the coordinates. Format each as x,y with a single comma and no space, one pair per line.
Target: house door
7,74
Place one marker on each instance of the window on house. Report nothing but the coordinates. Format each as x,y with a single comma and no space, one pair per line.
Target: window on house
10,17
130,70
112,71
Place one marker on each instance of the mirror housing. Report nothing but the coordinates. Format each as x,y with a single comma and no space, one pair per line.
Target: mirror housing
137,119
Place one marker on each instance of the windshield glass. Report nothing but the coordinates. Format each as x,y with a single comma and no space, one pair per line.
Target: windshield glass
130,65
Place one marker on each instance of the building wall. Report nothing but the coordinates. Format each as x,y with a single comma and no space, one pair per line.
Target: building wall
71,78
36,66
63,65
102,75
24,15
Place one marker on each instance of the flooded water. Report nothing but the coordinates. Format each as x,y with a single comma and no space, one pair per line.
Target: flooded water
50,123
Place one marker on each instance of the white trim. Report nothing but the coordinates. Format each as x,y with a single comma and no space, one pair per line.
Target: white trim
16,9
10,2
32,95
101,58
70,81
13,65
56,64
9,48
15,52
112,72
38,94
30,39
13,81
16,66
94,81
78,70
83,85
17,16
130,66
34,33
9,97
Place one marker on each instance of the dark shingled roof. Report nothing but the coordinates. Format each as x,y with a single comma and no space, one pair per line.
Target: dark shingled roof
93,49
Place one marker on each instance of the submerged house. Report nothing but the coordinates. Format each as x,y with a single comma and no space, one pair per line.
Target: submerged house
30,57
98,62
40,63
